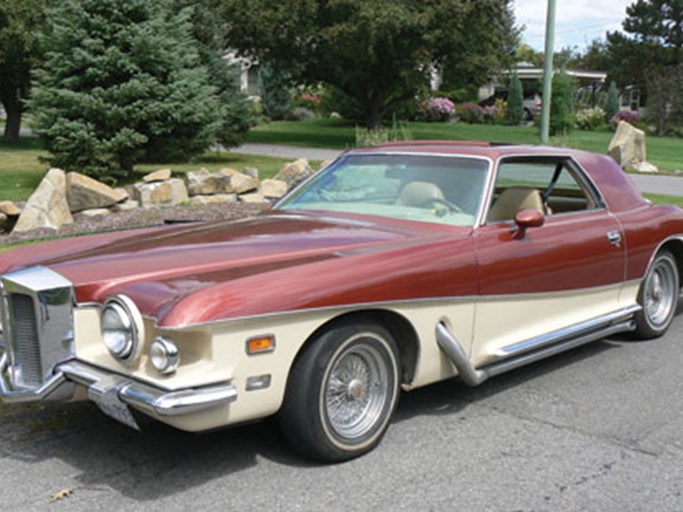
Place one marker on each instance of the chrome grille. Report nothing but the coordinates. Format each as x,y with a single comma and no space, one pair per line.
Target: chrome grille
37,320
28,367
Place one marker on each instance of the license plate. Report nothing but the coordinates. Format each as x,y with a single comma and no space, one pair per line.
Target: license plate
107,399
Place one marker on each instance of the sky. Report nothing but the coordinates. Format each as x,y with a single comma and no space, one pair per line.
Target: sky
577,22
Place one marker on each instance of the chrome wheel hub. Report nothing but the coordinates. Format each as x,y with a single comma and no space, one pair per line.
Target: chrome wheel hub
660,293
356,392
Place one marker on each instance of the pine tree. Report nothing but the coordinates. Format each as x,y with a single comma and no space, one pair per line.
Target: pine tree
122,82
515,110
224,74
562,104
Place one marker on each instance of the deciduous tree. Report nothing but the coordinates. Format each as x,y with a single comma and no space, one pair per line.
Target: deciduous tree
21,23
379,53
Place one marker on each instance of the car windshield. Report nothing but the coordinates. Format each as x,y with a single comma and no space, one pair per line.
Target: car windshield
437,189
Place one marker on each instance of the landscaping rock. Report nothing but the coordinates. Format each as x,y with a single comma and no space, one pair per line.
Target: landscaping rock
130,204
295,172
627,147
124,193
9,209
203,182
643,167
213,199
241,183
85,193
251,171
255,197
161,193
96,212
47,207
160,175
274,189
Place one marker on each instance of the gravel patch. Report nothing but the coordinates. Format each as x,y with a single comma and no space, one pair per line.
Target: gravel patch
139,218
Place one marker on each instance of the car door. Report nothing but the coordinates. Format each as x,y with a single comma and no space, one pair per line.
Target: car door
564,272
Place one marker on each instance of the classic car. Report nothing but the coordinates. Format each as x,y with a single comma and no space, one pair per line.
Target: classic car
392,268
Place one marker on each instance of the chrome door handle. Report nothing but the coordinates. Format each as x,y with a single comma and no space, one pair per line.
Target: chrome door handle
614,238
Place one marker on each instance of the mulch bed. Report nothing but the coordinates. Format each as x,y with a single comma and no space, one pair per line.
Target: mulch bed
138,218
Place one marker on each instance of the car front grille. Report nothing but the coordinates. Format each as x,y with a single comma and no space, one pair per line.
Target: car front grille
37,324
24,334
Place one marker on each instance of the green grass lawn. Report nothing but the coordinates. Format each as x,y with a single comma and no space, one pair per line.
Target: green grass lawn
21,168
664,152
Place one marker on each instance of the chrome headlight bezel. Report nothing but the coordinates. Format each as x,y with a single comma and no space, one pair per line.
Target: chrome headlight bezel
131,322
164,355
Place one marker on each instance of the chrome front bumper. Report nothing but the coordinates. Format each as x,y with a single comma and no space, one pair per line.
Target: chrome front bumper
146,398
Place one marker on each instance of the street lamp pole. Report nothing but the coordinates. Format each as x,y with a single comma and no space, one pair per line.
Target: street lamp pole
548,71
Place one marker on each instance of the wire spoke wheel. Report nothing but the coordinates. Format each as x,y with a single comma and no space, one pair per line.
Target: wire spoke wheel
658,296
356,391
342,392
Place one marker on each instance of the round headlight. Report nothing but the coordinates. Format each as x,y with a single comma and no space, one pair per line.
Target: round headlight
119,327
164,355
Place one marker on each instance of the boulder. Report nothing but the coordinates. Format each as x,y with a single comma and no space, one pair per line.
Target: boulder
47,207
96,212
9,209
130,204
251,171
85,193
124,193
627,147
642,167
274,189
241,183
213,199
161,193
160,175
295,172
255,197
203,182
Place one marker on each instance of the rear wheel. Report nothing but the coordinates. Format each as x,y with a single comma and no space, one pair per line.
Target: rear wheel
658,296
341,393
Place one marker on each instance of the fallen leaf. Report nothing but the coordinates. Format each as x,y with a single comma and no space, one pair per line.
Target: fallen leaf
60,495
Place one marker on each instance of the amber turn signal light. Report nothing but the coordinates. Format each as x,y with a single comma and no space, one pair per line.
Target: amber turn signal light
260,344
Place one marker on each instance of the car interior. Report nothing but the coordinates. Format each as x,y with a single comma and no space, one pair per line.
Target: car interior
551,186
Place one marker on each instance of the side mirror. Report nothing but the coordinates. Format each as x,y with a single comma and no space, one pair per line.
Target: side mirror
526,219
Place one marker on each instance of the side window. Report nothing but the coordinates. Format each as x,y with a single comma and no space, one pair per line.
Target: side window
549,186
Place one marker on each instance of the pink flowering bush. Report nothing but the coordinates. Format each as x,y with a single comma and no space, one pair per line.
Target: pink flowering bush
439,109
630,116
472,113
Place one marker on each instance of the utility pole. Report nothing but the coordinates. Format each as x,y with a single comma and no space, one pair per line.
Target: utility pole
548,71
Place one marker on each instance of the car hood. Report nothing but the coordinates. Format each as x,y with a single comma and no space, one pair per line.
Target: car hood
158,268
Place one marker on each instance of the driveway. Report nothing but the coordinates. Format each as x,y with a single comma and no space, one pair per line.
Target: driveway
668,185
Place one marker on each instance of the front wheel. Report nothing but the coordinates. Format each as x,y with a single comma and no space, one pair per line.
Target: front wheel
658,296
341,393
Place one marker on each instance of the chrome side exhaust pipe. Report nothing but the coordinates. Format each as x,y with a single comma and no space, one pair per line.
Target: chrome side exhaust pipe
453,349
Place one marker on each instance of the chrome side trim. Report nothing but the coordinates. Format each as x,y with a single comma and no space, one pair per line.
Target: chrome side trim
362,306
568,332
526,352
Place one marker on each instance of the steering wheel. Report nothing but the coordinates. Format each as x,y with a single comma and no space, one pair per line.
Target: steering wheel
452,207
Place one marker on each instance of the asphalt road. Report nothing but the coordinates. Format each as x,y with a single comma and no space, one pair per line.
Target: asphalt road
668,185
598,428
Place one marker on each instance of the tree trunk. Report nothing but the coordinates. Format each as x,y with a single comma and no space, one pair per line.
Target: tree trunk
374,111
13,123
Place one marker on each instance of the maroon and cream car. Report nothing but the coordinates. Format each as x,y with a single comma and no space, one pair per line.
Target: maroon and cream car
393,268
